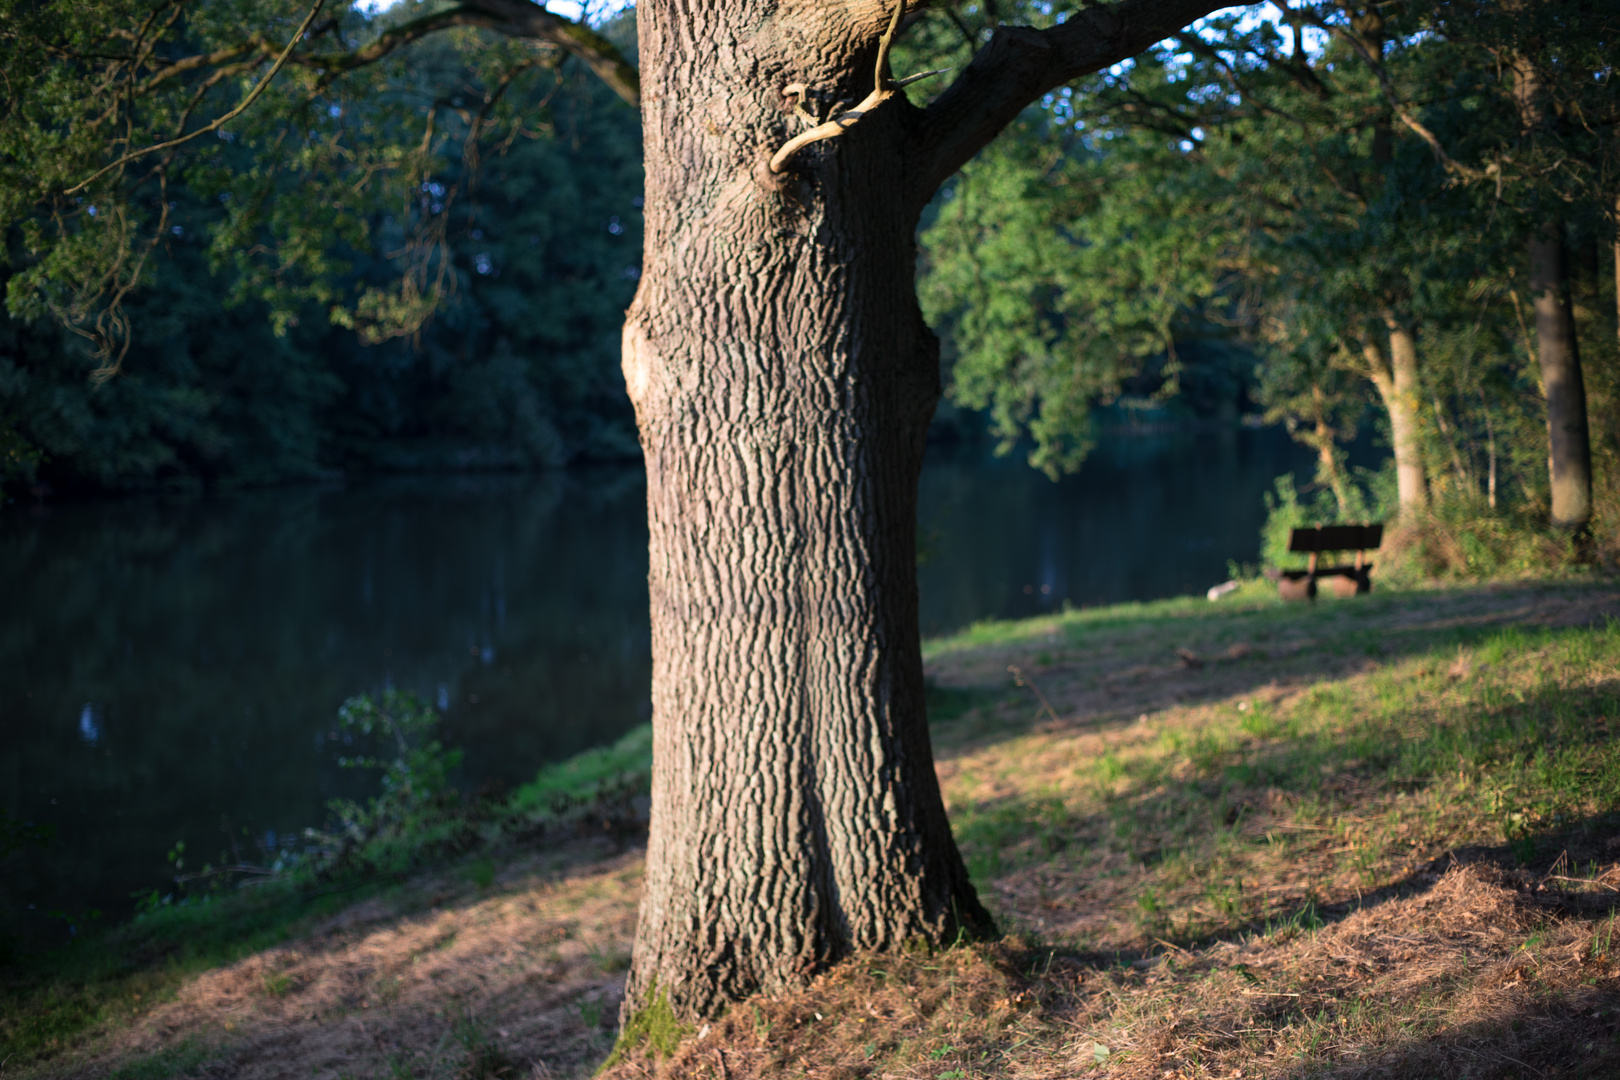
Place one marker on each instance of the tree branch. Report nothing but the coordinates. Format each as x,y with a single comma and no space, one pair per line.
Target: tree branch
884,87
514,18
1021,63
525,19
218,123
395,38
1386,86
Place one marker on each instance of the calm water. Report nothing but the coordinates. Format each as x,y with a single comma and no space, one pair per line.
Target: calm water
1147,517
170,669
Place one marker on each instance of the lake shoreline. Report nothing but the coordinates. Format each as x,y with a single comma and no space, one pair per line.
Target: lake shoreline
1181,832
173,668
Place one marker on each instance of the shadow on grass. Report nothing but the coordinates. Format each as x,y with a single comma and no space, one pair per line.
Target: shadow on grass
1238,796
227,981
1574,1033
1114,665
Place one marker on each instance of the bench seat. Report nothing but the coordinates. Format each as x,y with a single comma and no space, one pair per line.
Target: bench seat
1345,581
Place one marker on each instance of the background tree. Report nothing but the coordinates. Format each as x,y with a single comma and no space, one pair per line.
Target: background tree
1264,175
1369,171
1517,54
1072,258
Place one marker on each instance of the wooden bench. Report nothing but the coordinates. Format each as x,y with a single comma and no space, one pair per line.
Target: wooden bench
1323,539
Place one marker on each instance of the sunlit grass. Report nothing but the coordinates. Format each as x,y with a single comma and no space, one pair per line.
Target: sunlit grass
1503,743
1231,842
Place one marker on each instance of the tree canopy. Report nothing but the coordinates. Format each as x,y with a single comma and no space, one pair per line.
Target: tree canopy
1271,185
1296,182
417,261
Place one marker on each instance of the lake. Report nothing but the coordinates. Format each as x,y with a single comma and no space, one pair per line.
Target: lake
170,668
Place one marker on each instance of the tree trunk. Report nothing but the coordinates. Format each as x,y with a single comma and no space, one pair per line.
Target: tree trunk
783,380
1326,441
1569,452
1396,379
1329,472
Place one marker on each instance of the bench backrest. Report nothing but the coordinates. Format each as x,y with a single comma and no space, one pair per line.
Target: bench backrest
1336,538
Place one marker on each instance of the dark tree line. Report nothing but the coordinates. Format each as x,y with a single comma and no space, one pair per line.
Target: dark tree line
431,276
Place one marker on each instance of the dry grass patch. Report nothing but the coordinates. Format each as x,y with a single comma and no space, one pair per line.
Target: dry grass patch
1475,973
523,979
1369,839
957,1012
1469,974
1213,798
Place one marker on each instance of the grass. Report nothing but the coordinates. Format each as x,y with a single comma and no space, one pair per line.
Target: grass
170,1061
51,1002
1375,837
606,771
434,978
652,1030
48,1002
1264,774
1371,837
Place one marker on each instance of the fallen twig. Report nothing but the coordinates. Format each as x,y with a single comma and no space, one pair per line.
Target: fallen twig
1020,679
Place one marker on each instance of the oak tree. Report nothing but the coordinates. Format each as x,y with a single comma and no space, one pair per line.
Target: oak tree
782,377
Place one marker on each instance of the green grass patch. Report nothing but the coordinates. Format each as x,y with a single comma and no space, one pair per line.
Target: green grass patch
653,1029
50,1001
1351,741
590,775
171,1061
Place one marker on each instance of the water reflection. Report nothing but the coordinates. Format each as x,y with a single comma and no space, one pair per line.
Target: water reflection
1147,517
171,670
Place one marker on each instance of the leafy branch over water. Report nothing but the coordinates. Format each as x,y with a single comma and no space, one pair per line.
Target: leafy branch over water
415,782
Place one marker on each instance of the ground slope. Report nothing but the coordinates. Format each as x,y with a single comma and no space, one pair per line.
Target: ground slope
1365,838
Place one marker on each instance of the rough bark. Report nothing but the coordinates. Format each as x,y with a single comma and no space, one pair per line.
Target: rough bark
783,381
1395,376
1569,451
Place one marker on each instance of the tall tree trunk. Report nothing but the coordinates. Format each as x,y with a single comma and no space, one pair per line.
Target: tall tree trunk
1569,450
1396,378
783,380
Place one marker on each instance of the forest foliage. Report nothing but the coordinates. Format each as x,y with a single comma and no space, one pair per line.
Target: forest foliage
419,264
1308,194
1324,216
